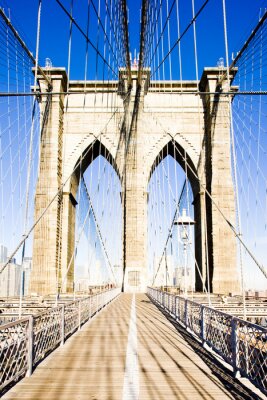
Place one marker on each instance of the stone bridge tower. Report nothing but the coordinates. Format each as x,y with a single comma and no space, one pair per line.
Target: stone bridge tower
168,119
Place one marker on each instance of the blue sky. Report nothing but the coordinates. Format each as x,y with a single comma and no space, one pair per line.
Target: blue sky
241,18
241,15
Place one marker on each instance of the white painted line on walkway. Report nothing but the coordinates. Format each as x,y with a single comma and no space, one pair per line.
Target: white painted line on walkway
131,375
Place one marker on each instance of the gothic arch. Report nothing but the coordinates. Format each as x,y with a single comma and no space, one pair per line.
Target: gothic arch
94,150
179,153
174,148
69,202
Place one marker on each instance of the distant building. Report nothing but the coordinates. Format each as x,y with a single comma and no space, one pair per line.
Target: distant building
98,273
118,274
10,280
164,273
27,267
259,294
180,280
82,284
94,278
3,253
256,293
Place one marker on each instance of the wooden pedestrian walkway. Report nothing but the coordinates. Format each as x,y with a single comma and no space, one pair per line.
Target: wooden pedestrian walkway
100,361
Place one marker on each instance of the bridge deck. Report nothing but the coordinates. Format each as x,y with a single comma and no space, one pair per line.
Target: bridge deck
91,365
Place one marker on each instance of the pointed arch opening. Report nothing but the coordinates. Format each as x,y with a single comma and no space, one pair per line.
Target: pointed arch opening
92,223
174,197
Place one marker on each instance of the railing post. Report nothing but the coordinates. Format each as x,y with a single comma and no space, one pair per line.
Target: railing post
79,315
90,306
166,301
96,303
62,325
30,345
234,346
178,309
202,324
99,301
186,313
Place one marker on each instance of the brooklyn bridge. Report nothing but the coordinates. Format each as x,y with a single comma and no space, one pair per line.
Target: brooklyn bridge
133,187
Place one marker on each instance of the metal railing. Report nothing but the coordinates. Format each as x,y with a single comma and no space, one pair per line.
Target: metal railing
240,343
25,342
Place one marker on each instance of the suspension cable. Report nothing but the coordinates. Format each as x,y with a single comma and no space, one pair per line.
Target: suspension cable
234,159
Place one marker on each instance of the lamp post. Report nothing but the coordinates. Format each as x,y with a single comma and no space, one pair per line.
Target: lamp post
184,221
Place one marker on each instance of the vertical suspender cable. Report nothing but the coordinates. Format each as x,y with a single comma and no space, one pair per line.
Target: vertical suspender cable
126,30
234,158
37,43
162,47
30,153
259,121
169,43
206,247
204,205
69,51
86,50
179,43
195,38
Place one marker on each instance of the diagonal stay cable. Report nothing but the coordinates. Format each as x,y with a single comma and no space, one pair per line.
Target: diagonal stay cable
170,229
182,35
25,237
105,34
98,227
80,235
155,27
246,44
163,30
142,42
85,36
23,45
237,235
126,41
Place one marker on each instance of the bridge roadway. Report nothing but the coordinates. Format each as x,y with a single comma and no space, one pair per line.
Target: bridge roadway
100,363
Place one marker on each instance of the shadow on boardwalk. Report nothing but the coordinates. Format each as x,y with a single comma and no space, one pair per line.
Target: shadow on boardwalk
232,385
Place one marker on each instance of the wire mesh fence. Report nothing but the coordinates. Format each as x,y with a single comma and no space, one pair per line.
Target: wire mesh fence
25,342
240,343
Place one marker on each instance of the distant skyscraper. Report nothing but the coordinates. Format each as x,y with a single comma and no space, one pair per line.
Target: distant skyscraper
27,266
166,267
3,253
10,280
118,274
180,281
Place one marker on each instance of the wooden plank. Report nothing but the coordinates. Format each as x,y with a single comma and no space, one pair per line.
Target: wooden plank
91,364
